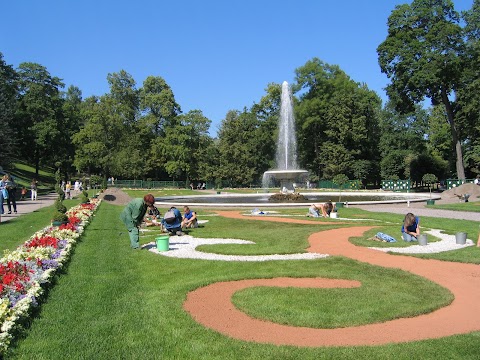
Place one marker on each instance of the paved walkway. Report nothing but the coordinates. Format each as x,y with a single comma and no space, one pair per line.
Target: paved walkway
28,206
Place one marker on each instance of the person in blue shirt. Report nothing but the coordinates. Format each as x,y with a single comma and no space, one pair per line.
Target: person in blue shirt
411,227
3,192
174,226
189,218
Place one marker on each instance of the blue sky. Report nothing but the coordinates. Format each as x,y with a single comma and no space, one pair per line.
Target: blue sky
216,55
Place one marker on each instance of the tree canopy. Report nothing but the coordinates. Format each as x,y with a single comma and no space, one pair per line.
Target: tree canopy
423,56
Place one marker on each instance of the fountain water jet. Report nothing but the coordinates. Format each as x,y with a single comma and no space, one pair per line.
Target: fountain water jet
286,171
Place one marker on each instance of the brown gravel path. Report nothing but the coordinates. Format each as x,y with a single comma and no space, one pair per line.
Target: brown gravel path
238,215
212,307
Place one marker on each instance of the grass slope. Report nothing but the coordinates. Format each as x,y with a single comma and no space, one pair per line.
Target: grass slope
24,174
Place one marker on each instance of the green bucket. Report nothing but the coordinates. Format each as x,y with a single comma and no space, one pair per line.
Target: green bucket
163,243
339,205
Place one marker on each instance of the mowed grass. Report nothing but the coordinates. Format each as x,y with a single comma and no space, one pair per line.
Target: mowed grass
376,299
473,206
115,303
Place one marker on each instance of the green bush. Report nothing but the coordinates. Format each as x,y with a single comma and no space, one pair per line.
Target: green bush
84,197
59,216
59,206
60,192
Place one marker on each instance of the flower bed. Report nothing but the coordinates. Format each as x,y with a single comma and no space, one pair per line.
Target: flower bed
27,271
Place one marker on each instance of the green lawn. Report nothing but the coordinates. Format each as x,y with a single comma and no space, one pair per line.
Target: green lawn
460,206
116,303
24,174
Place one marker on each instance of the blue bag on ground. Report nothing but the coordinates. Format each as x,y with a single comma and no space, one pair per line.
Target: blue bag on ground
385,237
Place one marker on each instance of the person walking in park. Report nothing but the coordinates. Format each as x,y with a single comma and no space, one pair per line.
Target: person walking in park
23,193
132,216
11,187
3,192
33,189
68,189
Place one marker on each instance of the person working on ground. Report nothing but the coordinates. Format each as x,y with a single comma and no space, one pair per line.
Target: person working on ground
172,221
410,227
132,216
189,218
314,210
325,208
153,216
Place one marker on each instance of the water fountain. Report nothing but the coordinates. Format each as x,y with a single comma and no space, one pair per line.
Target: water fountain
286,171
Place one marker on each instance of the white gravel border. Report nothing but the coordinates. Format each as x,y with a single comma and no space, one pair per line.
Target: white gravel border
447,243
185,247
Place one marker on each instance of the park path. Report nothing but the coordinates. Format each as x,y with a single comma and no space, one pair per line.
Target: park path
27,206
212,306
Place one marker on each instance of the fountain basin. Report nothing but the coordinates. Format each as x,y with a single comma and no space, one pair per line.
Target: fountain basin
261,200
287,178
286,174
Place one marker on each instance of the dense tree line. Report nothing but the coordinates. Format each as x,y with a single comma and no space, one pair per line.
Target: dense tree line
131,132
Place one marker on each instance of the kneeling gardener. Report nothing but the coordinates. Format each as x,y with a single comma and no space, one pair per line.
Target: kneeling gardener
132,217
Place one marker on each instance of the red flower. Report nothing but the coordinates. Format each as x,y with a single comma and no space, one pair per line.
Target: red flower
8,279
88,206
74,220
42,242
13,275
69,226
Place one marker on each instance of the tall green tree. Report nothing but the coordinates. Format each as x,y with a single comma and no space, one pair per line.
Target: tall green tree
422,56
158,105
39,114
236,147
124,95
70,125
406,148
401,139
469,91
439,138
8,92
337,121
184,146
95,142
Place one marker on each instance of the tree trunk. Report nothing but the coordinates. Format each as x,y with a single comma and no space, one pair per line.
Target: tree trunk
37,163
455,140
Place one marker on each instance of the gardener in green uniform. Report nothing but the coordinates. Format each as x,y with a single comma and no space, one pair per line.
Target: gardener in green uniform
132,217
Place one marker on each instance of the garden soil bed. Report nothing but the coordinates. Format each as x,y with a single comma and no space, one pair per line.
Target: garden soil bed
211,305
